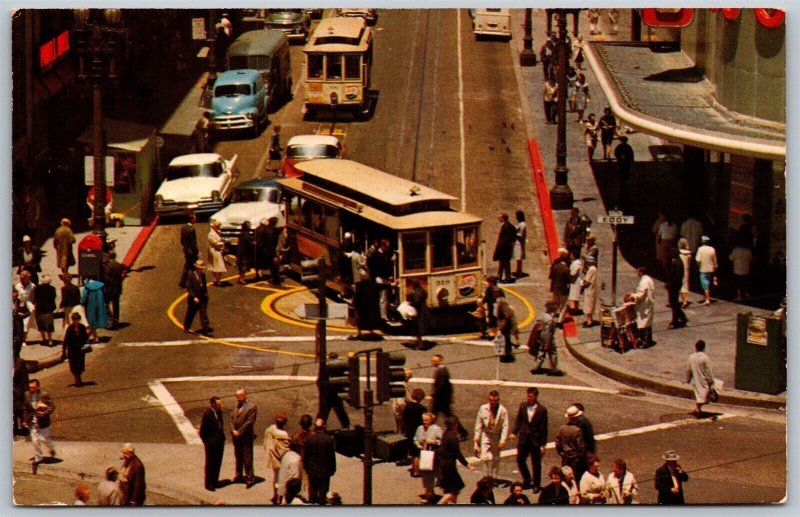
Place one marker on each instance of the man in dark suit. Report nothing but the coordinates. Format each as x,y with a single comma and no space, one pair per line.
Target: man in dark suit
319,461
197,299
669,480
189,245
114,274
442,393
132,481
531,427
243,418
212,433
504,249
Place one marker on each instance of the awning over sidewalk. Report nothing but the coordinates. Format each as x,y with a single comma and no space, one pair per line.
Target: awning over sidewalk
662,94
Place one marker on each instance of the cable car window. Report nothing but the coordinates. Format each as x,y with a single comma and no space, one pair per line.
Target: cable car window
467,246
442,248
352,66
334,66
414,247
331,223
315,66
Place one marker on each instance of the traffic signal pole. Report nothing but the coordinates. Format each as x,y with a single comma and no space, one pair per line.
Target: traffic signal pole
320,342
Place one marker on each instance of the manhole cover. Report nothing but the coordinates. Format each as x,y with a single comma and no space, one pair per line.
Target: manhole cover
632,393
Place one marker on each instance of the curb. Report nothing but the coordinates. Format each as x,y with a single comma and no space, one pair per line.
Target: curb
71,475
138,243
542,192
671,388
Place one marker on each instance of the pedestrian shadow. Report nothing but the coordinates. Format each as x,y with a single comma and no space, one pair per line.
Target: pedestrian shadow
119,326
426,345
140,269
51,460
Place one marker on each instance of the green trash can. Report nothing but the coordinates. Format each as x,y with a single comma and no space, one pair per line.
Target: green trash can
760,353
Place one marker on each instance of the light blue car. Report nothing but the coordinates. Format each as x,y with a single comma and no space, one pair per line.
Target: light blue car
239,102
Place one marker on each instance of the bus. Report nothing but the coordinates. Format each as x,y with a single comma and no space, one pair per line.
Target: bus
338,57
431,242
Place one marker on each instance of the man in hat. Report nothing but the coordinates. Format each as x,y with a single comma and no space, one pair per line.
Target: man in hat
197,299
545,325
132,481
189,245
625,157
706,259
589,290
570,444
560,278
669,480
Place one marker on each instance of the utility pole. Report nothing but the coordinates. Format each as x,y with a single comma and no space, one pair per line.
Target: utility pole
527,57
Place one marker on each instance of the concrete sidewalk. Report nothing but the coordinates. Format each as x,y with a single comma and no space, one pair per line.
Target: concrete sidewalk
661,368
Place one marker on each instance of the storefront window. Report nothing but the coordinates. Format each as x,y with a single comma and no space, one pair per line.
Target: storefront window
414,247
442,248
467,246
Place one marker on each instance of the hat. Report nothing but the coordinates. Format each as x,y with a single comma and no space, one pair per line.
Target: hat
590,234
65,222
44,279
705,238
590,259
563,251
573,412
200,264
26,238
347,235
671,456
128,447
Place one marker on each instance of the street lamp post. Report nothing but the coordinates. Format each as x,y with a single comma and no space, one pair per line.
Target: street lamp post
98,50
561,197
527,57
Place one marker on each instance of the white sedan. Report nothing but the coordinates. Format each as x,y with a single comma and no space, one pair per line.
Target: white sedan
199,182
252,201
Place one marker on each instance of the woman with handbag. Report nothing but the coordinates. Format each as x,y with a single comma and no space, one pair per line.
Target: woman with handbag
428,438
699,375
75,338
449,453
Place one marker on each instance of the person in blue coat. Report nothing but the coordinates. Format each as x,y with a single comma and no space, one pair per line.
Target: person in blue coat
93,302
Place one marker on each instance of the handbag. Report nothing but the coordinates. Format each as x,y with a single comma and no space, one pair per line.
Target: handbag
426,459
713,396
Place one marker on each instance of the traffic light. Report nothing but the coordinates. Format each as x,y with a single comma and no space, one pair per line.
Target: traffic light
343,379
390,375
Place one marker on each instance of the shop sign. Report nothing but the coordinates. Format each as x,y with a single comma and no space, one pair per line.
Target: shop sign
757,331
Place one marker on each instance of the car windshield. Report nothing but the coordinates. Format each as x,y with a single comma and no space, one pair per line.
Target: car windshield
232,90
313,151
248,195
206,170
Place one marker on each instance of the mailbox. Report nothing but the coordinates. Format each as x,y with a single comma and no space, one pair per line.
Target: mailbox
760,354
90,256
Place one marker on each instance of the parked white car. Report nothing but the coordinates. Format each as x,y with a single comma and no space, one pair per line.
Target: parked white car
252,200
201,182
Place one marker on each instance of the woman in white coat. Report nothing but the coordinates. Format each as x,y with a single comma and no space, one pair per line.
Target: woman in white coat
699,375
645,307
621,485
575,270
214,258
685,254
589,288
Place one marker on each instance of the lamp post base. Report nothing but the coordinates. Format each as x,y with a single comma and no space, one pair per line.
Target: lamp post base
527,57
561,197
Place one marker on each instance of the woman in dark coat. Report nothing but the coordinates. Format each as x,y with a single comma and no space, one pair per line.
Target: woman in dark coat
418,298
555,493
448,454
245,251
75,337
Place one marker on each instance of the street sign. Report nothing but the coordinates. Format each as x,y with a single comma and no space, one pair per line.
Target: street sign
615,219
